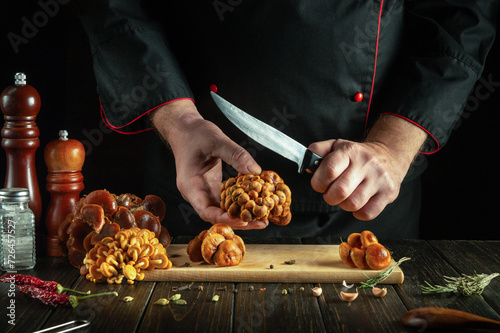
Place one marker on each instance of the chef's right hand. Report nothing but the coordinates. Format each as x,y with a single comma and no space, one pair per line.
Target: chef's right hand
199,146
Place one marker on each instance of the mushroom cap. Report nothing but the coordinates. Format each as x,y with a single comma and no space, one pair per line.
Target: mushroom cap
345,254
209,247
194,250
354,240
222,229
377,256
227,254
104,199
367,238
147,220
358,257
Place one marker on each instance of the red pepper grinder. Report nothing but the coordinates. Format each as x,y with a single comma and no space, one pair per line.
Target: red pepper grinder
64,159
20,104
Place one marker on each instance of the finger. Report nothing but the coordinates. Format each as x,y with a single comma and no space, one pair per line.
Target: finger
204,202
332,167
344,186
258,225
216,215
372,208
322,148
240,225
237,157
359,197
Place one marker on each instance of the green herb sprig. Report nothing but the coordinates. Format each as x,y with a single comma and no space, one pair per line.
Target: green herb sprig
372,282
466,284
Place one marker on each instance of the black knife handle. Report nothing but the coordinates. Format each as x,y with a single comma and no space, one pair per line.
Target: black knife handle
311,162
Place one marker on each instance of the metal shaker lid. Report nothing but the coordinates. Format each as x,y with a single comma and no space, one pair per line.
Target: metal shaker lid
14,194
20,79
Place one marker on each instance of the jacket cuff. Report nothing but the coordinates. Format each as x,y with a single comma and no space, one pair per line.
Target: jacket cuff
131,86
433,98
431,145
136,126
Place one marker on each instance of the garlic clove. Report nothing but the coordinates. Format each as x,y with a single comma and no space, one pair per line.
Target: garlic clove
317,291
379,292
349,297
346,285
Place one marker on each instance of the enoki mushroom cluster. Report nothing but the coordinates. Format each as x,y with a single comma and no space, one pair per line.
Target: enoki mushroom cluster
250,197
125,256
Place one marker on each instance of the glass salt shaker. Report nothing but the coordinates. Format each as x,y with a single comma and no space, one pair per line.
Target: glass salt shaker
17,242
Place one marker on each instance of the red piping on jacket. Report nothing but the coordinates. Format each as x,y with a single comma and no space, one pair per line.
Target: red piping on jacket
373,84
422,128
116,128
375,65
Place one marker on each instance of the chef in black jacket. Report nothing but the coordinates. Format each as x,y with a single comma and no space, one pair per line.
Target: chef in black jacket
370,85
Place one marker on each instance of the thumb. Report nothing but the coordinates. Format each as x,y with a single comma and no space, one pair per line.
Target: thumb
322,148
238,158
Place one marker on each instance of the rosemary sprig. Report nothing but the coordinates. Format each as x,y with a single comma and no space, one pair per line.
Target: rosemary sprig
372,282
466,284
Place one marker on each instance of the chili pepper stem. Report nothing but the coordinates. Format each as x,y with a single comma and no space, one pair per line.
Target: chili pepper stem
74,300
61,289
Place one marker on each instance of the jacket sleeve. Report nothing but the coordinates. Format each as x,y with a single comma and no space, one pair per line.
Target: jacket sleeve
134,67
444,51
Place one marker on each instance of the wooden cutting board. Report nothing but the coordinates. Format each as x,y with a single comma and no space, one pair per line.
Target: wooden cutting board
313,264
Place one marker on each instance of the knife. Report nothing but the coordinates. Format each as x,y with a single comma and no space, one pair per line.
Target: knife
269,136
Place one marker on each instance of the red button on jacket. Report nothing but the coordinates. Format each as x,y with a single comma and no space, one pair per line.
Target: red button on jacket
358,97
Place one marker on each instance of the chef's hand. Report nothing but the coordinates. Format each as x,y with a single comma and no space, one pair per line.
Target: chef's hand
364,177
199,146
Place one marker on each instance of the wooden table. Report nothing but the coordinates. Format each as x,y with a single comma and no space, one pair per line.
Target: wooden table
242,310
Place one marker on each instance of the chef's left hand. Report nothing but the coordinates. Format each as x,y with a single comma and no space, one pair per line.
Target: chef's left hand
364,177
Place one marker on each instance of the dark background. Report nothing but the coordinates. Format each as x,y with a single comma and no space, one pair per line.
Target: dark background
460,199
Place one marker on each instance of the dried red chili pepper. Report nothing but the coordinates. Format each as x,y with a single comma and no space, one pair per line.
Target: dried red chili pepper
28,280
52,298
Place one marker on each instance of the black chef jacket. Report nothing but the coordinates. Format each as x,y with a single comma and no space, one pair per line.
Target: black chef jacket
315,70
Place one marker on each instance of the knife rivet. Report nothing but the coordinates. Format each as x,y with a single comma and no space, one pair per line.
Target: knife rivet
358,97
213,88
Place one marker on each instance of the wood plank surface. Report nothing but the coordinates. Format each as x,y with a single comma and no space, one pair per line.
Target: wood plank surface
244,307
264,307
199,314
313,264
367,313
109,313
470,257
428,264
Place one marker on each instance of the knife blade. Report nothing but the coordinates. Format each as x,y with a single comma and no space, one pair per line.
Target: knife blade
268,136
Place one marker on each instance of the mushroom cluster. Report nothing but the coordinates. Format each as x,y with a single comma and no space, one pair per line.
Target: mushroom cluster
362,250
125,255
102,214
250,197
218,245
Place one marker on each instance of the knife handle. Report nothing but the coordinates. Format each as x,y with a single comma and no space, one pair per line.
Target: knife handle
311,162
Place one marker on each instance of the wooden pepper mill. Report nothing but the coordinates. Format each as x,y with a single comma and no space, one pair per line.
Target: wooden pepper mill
20,104
64,159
